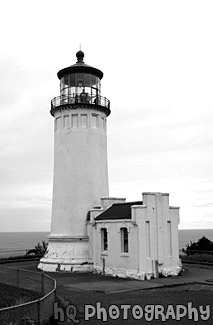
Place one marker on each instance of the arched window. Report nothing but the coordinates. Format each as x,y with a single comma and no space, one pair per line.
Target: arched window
124,240
104,239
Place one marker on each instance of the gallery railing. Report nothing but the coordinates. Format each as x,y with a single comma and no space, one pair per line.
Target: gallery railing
82,99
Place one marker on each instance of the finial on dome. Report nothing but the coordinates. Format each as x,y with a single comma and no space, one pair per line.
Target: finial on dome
80,56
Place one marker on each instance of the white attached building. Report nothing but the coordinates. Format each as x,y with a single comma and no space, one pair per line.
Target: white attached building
135,239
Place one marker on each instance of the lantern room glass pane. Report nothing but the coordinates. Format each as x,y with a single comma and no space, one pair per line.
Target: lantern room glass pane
80,80
76,83
65,81
62,85
93,81
72,80
87,78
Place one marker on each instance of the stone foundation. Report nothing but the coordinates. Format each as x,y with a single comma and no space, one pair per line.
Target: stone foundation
134,274
67,254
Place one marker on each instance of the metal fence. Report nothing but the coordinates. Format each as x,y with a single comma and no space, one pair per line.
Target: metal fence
35,312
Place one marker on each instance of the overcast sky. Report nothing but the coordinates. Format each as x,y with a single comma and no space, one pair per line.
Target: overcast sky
157,59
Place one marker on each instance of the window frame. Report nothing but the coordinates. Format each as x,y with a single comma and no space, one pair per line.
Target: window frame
124,240
104,239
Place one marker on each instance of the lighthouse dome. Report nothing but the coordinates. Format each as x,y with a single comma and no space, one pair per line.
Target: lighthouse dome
80,67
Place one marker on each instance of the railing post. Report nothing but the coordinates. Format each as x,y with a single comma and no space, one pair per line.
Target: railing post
18,278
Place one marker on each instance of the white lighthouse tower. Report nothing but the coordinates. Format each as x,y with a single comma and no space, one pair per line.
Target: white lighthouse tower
80,165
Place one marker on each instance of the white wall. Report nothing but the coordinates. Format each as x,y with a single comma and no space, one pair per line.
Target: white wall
80,169
80,179
114,258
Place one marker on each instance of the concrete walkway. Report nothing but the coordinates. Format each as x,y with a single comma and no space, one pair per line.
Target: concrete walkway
106,284
109,285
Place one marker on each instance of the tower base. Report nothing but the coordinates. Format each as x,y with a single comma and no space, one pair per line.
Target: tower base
67,254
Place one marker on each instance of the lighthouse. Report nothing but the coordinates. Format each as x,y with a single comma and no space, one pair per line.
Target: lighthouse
80,165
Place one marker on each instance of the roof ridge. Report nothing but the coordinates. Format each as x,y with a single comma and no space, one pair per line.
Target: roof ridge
126,203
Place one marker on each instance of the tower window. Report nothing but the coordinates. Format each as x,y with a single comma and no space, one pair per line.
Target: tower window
104,239
83,120
57,123
94,121
74,120
66,121
124,240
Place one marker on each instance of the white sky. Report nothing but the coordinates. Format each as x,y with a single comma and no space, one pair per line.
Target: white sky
157,59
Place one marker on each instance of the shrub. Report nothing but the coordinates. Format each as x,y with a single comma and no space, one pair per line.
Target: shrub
202,246
39,250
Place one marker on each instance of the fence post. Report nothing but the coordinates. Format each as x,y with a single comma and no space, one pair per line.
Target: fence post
54,293
18,278
42,282
39,311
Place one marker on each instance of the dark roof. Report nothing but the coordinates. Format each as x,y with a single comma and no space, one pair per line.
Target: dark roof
80,67
88,213
118,211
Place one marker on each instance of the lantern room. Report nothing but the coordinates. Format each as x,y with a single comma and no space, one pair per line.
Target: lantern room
80,86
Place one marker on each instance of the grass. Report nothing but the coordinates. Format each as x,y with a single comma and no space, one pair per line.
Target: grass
11,295
20,257
196,293
206,258
164,296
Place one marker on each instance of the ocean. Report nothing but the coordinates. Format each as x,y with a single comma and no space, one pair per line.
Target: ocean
16,243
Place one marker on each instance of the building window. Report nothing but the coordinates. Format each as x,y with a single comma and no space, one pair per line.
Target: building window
104,240
124,240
